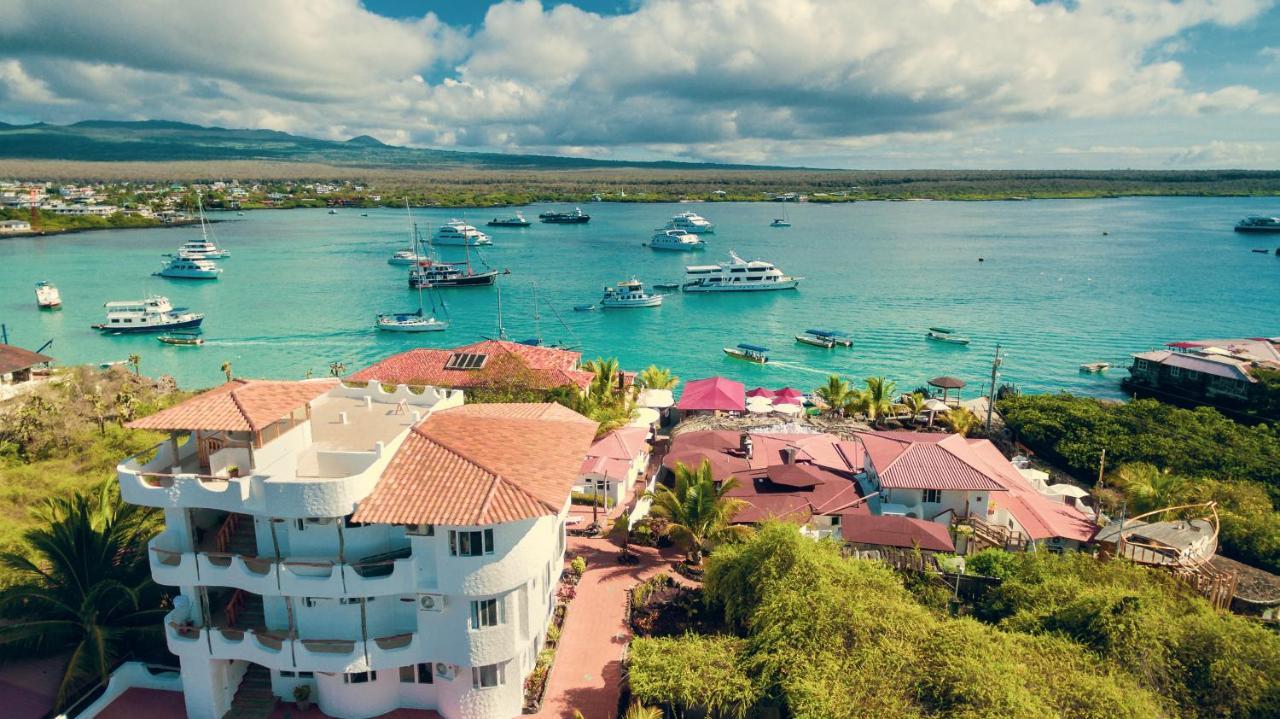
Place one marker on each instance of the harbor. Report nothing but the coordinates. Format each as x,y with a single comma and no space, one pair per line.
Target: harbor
302,288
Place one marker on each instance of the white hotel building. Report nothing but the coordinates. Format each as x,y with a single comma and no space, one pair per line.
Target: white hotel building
390,550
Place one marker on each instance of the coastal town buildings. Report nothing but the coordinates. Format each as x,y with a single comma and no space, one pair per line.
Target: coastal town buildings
383,549
1220,372
484,363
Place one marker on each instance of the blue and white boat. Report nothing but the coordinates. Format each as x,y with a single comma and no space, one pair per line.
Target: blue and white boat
824,338
750,353
153,314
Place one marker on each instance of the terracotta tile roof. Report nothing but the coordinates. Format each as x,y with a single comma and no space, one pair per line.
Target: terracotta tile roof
482,464
549,366
237,406
795,492
622,443
927,460
1040,516
13,359
892,531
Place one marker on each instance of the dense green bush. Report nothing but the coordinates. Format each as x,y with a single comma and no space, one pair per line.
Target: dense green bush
693,671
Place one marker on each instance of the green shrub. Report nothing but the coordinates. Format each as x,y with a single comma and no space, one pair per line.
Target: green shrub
578,565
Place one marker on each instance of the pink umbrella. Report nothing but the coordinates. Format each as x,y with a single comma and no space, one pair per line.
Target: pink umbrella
761,392
788,395
713,393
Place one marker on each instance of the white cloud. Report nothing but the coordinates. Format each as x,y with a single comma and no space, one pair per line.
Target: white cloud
741,80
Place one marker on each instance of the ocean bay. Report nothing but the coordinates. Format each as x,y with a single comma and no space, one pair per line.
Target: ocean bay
302,288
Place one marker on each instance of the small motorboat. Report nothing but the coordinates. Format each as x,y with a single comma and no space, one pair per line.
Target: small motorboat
628,294
750,353
182,339
585,308
516,220
779,222
943,334
47,296
824,338
1095,367
333,212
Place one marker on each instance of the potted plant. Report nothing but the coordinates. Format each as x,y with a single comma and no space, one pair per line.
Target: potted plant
233,471
302,695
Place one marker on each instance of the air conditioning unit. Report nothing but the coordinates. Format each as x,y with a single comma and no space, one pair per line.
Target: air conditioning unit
431,602
445,671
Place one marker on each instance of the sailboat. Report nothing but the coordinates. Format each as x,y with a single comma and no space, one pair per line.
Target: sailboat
781,221
409,256
412,321
430,272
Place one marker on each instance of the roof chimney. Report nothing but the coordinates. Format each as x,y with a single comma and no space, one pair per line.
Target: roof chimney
788,455
744,443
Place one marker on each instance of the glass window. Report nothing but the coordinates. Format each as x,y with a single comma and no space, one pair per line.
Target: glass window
932,496
417,674
486,613
470,544
360,677
486,676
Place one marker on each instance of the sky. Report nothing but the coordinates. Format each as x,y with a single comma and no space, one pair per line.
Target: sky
866,84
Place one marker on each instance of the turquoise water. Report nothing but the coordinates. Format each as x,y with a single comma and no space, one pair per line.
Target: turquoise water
302,288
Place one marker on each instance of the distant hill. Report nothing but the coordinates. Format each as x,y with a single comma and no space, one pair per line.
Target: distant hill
166,141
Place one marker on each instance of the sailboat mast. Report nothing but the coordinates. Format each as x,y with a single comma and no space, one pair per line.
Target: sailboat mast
502,331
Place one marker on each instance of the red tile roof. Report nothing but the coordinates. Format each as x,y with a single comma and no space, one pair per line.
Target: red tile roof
713,393
893,531
612,455
1040,516
13,359
926,460
237,406
549,366
482,464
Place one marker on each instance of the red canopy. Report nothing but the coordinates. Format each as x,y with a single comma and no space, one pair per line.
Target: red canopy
761,392
714,393
789,395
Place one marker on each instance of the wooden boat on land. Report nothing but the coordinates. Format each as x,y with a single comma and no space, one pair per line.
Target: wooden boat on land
943,334
182,339
750,353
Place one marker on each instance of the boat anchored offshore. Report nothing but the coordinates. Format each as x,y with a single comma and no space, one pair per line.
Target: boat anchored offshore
204,248
577,217
1258,224
1095,367
516,220
738,275
154,314
825,338
750,353
677,240
779,222
412,321
182,339
628,294
943,334
187,268
47,296
691,222
457,233
405,257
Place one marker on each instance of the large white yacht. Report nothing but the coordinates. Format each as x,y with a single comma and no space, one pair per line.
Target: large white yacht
628,294
737,275
47,296
202,249
154,314
691,222
677,240
459,234
187,268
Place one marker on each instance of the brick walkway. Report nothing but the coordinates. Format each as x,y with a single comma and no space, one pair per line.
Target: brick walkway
588,668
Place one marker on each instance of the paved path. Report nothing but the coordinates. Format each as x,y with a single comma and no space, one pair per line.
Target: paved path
588,670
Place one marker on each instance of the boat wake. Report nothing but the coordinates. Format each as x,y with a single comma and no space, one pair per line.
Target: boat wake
283,339
799,367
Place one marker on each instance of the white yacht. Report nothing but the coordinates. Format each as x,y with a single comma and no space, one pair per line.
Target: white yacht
459,234
628,294
410,322
406,257
677,240
47,296
154,314
737,275
187,268
691,222
204,248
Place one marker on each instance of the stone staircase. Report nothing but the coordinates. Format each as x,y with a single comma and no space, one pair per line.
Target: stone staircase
239,536
253,699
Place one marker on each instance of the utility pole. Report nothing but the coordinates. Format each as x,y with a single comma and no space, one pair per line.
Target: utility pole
995,376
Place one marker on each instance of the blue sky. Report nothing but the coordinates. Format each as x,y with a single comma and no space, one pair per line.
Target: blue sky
1091,84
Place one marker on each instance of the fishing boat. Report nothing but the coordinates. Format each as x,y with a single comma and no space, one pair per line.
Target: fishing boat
750,353
691,222
182,339
153,314
677,240
628,294
1095,367
1258,224
187,268
942,334
516,220
456,233
577,217
737,275
47,296
418,321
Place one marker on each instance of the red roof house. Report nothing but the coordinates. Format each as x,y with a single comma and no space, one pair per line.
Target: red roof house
478,364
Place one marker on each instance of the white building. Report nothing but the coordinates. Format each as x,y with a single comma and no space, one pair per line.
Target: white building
614,463
7,226
387,550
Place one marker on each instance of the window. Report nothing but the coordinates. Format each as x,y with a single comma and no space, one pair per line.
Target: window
486,676
1140,364
420,530
360,677
931,496
417,674
486,613
470,544
1175,371
299,675
835,520
299,524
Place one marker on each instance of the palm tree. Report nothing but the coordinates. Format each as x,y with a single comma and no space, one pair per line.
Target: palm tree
1149,487
606,376
86,589
655,377
135,361
879,398
914,403
962,420
698,511
835,393
226,370
640,711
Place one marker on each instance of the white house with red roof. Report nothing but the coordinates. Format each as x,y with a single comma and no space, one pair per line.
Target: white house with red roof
614,463
385,549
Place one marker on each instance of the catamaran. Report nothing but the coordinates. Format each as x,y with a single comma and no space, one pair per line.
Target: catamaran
737,275
47,296
153,314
